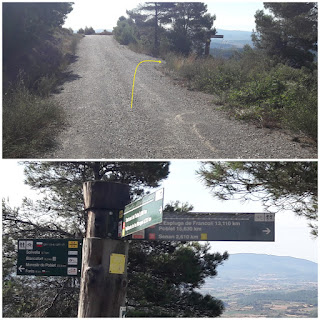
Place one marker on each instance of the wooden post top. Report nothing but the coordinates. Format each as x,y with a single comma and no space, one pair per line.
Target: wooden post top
105,195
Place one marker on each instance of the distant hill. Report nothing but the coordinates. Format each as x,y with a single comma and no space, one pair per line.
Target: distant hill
231,35
259,285
261,266
101,30
233,40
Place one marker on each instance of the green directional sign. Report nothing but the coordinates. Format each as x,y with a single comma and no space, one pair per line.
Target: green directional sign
143,213
49,257
210,226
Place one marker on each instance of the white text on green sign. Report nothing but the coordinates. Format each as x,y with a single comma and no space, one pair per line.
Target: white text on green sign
143,213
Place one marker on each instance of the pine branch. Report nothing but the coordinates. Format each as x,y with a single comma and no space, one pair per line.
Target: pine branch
40,228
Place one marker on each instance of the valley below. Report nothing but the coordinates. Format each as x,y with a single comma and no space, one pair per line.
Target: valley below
284,293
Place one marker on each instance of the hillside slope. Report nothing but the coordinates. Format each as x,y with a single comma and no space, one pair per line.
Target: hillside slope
231,39
250,266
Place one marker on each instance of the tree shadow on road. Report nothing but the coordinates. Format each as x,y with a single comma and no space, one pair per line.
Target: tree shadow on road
67,76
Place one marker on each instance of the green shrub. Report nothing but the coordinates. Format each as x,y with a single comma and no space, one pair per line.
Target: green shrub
253,88
125,32
46,84
301,104
283,94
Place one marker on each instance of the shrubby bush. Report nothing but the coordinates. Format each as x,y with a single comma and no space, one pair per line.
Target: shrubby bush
125,32
253,88
89,31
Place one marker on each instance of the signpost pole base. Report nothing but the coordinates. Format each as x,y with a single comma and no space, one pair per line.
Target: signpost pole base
104,277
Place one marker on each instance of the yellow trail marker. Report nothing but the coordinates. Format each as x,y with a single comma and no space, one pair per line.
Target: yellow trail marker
134,77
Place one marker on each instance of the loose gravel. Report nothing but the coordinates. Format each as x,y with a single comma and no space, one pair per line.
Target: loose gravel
167,121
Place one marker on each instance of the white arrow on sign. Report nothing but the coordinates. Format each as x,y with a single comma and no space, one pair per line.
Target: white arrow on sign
266,231
21,268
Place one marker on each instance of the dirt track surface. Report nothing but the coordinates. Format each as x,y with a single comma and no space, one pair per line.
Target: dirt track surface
166,122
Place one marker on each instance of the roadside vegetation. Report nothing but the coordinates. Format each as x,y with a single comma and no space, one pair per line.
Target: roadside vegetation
250,87
273,84
36,52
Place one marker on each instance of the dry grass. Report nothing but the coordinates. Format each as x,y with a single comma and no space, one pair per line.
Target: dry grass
29,124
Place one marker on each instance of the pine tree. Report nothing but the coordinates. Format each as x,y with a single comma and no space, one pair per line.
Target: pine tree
290,34
153,15
28,28
279,185
192,26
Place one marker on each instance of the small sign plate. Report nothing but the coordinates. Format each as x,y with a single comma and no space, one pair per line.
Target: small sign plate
117,263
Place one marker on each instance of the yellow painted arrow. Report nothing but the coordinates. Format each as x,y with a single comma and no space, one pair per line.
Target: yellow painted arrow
134,77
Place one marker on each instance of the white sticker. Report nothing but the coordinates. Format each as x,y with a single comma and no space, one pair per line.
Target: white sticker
159,195
72,271
259,217
123,312
72,261
29,245
22,245
269,216
72,253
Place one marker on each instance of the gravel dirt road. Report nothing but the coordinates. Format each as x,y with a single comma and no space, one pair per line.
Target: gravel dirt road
166,121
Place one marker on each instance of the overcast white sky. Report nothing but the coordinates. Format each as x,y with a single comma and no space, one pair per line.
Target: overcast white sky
292,233
102,14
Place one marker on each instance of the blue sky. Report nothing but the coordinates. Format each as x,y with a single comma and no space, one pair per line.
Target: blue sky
292,233
101,14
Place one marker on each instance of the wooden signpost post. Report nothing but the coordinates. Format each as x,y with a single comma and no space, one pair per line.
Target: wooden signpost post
208,41
104,258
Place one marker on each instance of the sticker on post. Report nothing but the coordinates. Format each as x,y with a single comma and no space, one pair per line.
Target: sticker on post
120,229
39,244
22,245
204,236
29,245
139,234
72,261
117,263
73,244
122,312
259,217
159,195
72,271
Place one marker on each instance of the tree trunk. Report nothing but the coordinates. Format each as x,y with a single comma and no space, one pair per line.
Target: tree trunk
156,29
